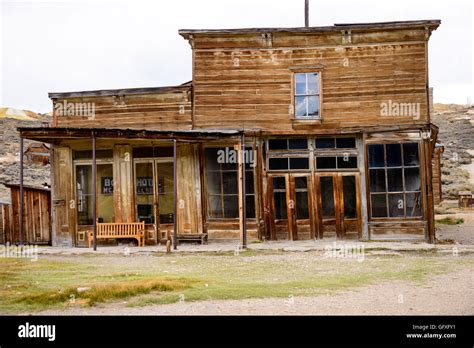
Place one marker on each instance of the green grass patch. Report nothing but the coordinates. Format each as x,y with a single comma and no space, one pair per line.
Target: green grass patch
450,221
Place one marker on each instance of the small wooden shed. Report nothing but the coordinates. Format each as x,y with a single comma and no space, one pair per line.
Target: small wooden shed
37,216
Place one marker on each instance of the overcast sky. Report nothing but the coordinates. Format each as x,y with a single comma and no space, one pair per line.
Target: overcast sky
60,46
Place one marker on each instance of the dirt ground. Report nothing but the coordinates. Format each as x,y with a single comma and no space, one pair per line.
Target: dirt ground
448,294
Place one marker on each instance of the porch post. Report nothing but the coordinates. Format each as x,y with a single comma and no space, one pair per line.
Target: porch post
94,191
22,204
175,192
242,208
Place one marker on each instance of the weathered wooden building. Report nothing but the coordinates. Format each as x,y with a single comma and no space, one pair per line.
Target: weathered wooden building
36,216
334,122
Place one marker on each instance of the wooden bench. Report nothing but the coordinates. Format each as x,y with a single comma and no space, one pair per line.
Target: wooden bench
135,230
200,237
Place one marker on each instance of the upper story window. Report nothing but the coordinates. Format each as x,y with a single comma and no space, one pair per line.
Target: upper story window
307,95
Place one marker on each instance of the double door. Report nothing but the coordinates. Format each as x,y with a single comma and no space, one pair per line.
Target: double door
303,206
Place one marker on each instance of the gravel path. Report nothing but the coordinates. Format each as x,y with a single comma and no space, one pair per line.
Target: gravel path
448,294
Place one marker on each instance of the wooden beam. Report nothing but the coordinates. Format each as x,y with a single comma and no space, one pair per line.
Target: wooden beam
242,217
175,193
22,203
94,191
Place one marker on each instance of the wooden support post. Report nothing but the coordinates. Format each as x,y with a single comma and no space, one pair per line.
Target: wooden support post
429,191
175,192
242,215
94,191
22,204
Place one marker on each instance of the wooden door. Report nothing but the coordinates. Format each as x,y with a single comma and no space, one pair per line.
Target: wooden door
338,205
291,206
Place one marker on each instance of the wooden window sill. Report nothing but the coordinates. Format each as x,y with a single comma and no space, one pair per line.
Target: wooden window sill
301,123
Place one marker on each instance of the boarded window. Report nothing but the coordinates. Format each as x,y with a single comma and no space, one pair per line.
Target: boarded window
395,185
221,172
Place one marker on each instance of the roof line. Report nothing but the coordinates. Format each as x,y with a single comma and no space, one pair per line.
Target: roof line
119,92
433,23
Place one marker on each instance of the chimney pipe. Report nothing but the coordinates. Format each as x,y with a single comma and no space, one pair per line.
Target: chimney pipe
306,13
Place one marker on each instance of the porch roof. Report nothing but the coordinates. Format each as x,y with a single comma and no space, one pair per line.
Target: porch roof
54,135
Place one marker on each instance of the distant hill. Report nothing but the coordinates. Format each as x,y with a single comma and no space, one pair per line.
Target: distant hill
456,133
35,175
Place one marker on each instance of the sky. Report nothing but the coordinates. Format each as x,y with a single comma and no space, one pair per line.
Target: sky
77,45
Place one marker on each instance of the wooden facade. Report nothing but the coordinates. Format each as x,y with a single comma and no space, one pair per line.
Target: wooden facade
347,153
437,170
37,216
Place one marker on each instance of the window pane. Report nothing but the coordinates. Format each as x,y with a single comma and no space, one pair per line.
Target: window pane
300,80
413,203
326,162
249,184
300,106
105,197
277,144
350,196
395,181
165,192
347,162
394,155
229,183
144,192
150,152
325,143
377,180
213,183
376,156
301,182
412,179
298,144
250,206
278,163
84,195
299,163
396,205
212,155
327,197
345,143
313,83
313,107
231,206
302,211
279,183
410,154
279,200
215,207
379,205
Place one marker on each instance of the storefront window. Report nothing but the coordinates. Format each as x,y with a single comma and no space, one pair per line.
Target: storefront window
84,193
395,185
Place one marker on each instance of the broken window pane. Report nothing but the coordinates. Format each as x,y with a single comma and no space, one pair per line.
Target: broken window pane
301,106
410,154
412,179
313,106
413,203
313,83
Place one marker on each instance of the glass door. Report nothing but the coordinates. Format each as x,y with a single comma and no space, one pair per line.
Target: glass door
338,202
291,206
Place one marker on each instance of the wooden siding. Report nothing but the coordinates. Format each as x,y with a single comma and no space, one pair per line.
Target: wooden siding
37,217
257,94
157,111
